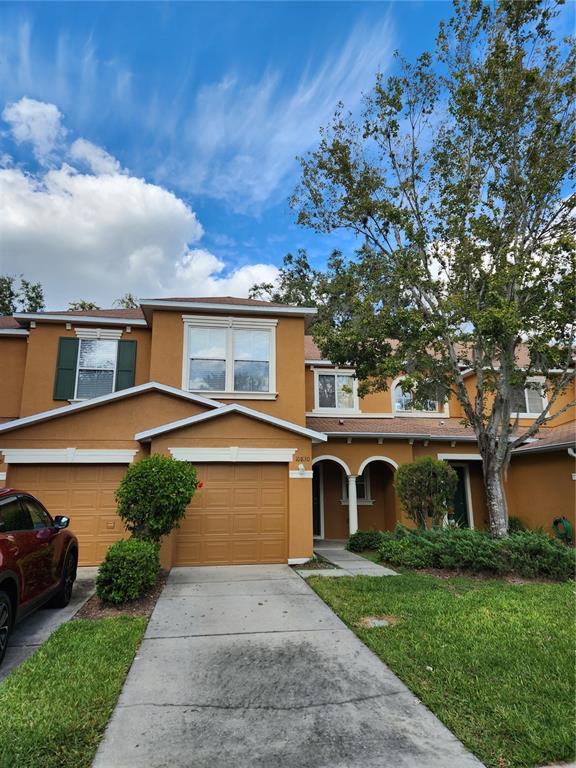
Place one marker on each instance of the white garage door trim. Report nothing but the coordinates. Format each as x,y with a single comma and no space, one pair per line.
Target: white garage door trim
233,454
67,456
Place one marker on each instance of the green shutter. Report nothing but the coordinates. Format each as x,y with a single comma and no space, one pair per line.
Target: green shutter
65,381
125,364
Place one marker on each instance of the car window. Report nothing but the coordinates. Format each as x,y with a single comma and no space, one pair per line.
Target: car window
40,518
13,516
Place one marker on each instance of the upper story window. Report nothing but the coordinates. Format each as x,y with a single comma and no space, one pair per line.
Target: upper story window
404,401
529,401
96,368
335,391
229,355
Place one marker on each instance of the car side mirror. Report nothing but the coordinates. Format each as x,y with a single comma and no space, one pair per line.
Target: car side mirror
61,521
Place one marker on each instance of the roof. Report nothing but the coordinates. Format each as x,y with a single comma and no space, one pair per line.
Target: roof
66,410
225,304
311,350
228,409
134,313
399,427
7,321
219,300
551,439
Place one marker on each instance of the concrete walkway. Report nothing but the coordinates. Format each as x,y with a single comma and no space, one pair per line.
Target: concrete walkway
37,628
246,667
354,565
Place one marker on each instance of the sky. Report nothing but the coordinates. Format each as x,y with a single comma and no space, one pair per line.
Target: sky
151,148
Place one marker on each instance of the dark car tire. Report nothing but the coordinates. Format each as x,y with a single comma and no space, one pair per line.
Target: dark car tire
64,594
6,622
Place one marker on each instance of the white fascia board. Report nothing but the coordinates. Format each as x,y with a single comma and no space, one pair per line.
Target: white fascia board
65,410
245,309
318,362
67,456
14,332
231,408
234,454
86,319
543,448
459,457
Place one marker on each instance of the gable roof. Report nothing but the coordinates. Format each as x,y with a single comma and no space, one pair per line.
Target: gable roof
556,438
228,409
66,410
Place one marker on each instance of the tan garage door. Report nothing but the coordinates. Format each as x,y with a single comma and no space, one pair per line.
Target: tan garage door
240,516
83,492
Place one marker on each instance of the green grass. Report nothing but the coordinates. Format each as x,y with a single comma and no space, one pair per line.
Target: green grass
371,554
502,675
55,706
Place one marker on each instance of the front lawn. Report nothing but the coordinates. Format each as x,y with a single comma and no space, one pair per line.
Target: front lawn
56,705
492,660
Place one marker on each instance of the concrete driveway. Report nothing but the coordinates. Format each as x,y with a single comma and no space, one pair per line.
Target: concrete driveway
245,667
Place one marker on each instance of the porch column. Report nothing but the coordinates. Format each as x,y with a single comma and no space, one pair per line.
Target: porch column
352,504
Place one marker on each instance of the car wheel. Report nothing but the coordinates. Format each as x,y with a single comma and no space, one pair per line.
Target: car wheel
64,594
5,623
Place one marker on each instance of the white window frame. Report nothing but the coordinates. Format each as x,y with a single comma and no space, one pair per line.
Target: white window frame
527,414
231,324
82,399
366,500
335,372
415,412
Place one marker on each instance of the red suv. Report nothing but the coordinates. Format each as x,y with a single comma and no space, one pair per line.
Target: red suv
38,559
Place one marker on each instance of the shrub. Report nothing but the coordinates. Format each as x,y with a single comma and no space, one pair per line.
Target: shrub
130,568
362,540
527,553
426,488
153,495
515,525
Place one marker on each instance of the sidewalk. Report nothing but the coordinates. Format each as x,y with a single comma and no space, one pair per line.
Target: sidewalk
353,565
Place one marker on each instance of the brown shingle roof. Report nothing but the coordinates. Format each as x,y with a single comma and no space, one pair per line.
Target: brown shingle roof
132,314
219,300
449,428
7,321
311,351
549,438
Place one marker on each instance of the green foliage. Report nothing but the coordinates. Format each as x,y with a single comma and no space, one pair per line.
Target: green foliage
82,305
127,301
515,525
153,495
296,283
426,488
129,570
28,297
362,540
457,177
527,553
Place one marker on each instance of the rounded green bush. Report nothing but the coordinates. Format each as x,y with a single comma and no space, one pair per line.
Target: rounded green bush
130,569
362,540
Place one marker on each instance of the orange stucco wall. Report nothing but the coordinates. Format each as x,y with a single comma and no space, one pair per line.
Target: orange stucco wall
167,360
12,367
42,357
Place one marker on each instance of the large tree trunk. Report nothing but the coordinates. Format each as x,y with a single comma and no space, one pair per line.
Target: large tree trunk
496,499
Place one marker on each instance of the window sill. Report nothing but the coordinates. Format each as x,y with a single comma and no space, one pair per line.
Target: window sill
359,502
336,412
235,395
423,414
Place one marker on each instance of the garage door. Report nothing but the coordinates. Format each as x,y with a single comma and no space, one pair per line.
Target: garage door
238,517
83,492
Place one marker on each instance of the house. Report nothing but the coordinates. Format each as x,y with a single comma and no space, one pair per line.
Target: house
285,447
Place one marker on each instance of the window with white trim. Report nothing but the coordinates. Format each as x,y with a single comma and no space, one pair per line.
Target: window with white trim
404,400
96,371
229,355
335,391
530,400
362,488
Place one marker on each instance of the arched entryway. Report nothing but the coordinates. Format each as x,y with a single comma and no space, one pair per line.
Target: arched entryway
344,501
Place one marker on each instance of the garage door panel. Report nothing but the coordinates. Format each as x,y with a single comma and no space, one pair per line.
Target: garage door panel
253,500
85,493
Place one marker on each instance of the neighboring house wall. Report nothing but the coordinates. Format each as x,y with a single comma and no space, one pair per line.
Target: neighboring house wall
13,364
41,360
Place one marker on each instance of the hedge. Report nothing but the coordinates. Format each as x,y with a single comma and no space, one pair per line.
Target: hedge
130,568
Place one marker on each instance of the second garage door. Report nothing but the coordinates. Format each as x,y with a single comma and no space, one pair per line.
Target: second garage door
82,492
238,517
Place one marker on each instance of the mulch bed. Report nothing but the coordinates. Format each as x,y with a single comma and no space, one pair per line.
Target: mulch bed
315,564
94,608
450,573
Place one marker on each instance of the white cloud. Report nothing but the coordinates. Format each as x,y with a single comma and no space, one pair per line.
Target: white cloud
96,158
35,122
99,235
242,138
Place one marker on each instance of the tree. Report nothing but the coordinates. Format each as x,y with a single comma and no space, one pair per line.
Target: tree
127,301
82,305
28,297
296,283
426,488
455,180
153,495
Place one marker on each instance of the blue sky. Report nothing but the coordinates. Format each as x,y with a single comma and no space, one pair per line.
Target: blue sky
150,147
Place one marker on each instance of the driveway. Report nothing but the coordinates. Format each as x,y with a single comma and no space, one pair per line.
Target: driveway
246,667
38,627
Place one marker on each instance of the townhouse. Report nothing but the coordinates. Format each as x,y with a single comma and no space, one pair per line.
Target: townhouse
285,447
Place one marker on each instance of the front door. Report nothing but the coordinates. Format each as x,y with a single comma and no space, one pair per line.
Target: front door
460,499
317,501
